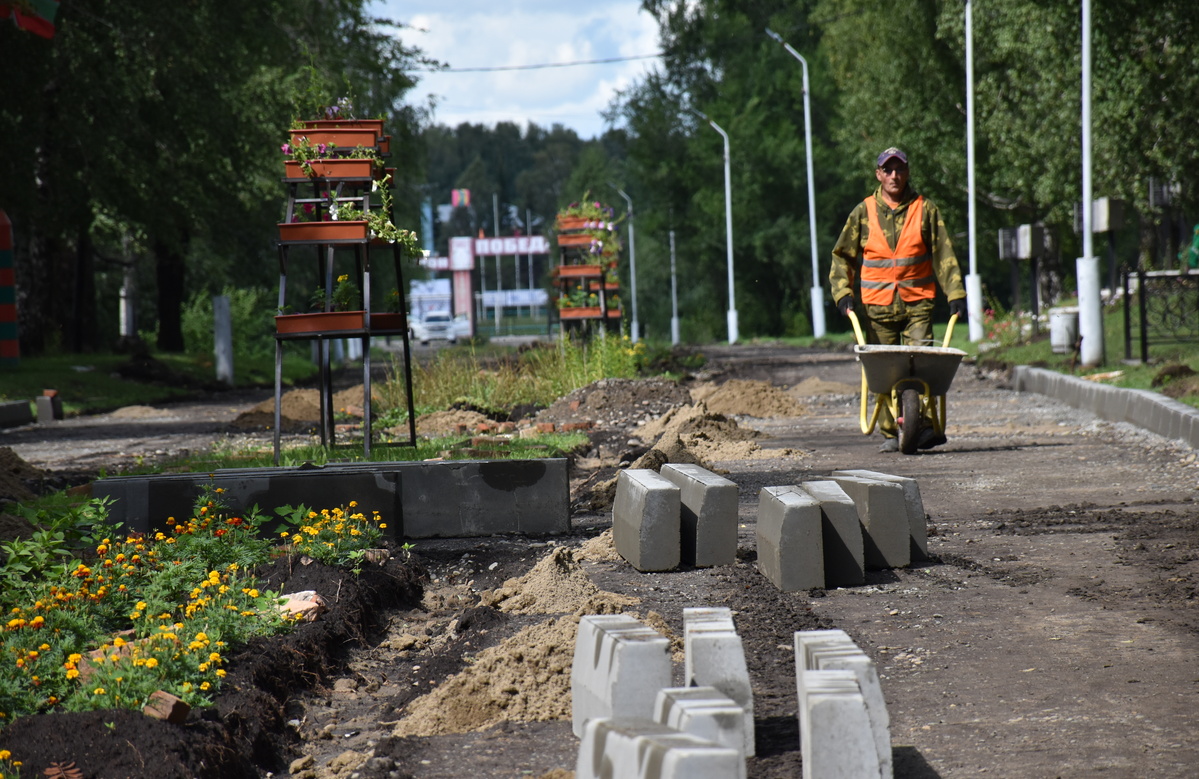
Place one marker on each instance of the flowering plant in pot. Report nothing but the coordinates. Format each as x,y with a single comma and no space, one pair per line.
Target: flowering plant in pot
345,297
378,220
304,152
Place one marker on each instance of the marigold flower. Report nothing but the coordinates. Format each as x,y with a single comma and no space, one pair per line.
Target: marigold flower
151,662
220,672
99,691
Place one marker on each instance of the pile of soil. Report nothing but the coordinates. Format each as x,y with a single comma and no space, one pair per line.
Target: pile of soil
15,475
300,410
444,423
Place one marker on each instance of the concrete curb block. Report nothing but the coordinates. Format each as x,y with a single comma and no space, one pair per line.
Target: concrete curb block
715,657
708,522
818,651
619,665
834,730
14,413
841,533
704,712
883,512
646,520
917,519
417,499
1156,413
789,539
641,749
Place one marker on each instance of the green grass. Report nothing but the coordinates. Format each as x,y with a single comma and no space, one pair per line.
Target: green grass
350,450
90,383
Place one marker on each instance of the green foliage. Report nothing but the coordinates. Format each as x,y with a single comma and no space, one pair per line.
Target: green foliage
338,536
250,310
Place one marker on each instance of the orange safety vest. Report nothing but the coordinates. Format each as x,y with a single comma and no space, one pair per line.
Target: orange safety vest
908,267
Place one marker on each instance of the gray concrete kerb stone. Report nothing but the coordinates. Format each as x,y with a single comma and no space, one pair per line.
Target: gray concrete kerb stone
841,534
715,657
883,512
646,520
789,538
708,522
917,518
704,712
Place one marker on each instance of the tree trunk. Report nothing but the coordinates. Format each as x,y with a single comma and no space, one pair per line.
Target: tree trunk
170,276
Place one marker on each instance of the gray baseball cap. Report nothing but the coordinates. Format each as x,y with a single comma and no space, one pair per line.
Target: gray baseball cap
889,153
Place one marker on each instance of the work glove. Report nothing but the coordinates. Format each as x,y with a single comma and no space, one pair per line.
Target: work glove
958,307
845,304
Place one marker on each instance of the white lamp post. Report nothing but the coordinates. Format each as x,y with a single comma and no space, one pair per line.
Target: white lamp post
974,284
1090,303
818,329
728,225
632,260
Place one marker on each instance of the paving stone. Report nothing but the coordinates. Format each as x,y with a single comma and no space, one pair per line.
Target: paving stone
704,712
642,749
789,538
619,666
917,518
884,515
715,657
835,737
708,519
841,534
645,520
833,650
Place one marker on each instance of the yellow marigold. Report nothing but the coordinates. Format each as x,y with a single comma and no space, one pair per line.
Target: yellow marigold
74,657
37,622
203,667
220,672
204,685
151,662
5,754
201,636
382,525
118,642
353,503
73,673
99,691
219,490
44,647
214,657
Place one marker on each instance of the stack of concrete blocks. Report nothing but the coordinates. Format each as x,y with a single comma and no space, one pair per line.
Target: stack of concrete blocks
714,657
708,520
913,504
634,724
685,514
640,749
844,729
809,536
618,668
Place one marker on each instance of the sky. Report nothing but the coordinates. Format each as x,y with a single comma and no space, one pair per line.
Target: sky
498,33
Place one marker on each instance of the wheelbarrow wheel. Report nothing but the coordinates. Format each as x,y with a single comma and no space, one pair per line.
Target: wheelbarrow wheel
909,422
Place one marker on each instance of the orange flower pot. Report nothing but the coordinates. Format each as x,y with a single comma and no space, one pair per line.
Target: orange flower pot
579,271
341,137
574,239
331,169
376,125
586,312
322,232
319,322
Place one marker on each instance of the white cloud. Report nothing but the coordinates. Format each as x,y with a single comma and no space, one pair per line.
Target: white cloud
525,32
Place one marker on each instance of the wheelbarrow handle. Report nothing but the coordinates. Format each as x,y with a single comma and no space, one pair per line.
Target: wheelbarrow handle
953,319
857,327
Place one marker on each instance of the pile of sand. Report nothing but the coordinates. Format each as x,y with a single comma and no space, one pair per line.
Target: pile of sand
601,549
814,385
523,679
556,585
302,408
748,398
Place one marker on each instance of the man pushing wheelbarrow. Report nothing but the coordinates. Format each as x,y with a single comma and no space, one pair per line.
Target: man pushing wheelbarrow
893,252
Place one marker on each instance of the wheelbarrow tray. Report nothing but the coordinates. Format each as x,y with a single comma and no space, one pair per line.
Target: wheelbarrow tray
885,366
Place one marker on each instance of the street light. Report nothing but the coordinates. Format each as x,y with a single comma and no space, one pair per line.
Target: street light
728,224
632,258
817,293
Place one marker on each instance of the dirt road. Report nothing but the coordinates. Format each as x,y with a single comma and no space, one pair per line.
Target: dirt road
1054,633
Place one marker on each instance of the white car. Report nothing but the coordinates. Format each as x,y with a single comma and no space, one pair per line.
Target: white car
434,325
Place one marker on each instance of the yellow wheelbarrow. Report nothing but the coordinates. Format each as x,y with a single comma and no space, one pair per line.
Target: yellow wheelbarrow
910,381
